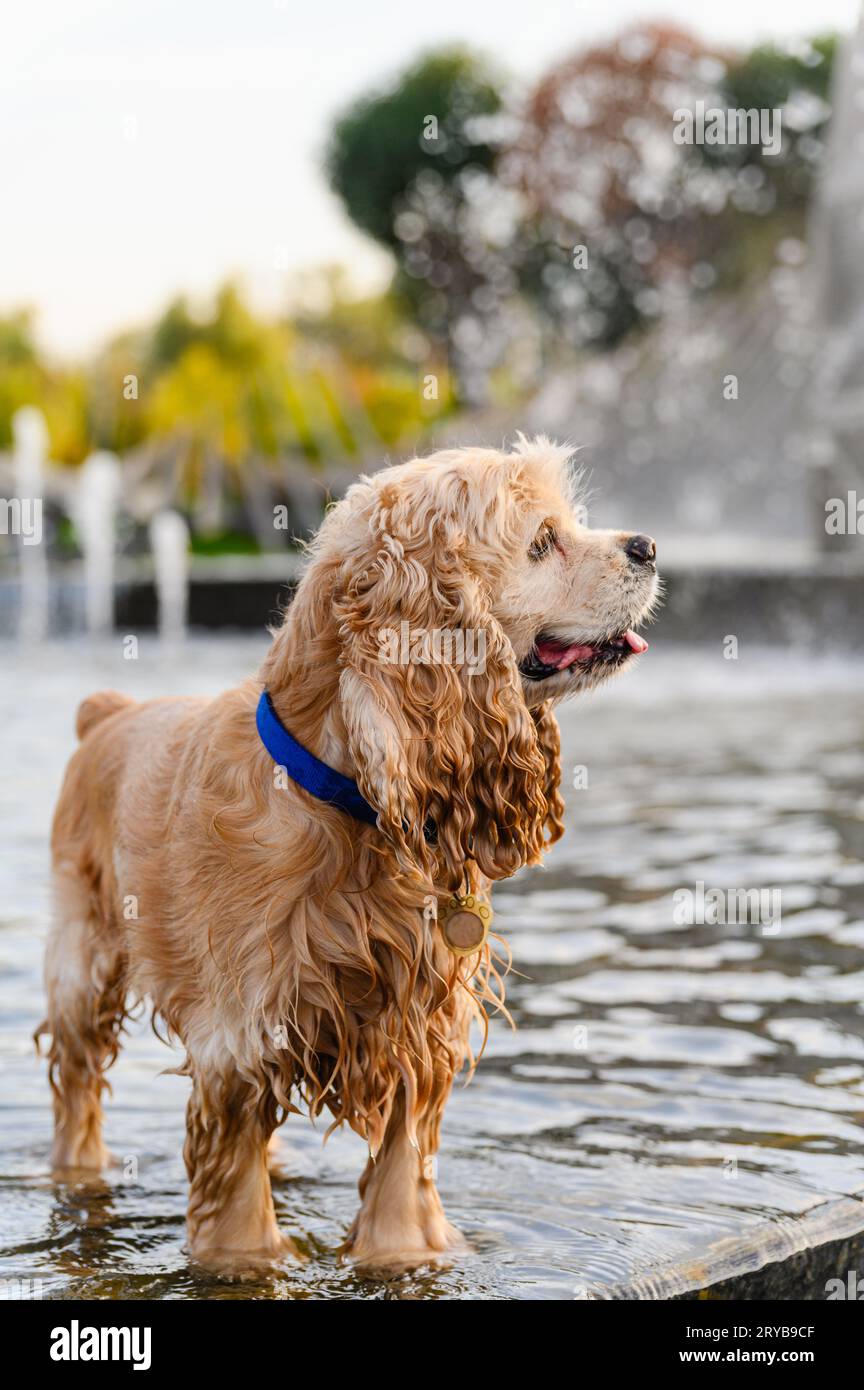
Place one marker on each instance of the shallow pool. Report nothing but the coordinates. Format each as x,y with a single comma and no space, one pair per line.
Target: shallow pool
671,1083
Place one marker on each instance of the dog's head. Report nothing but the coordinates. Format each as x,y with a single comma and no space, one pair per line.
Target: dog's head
468,595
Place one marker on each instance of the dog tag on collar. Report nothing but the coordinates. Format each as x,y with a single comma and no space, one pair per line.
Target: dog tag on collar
465,924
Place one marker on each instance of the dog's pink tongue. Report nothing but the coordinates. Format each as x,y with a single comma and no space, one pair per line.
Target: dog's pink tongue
560,656
554,654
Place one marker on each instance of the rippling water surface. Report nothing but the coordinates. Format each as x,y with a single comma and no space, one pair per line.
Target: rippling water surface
668,1085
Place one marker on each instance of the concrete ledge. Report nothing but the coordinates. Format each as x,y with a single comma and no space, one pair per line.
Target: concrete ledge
820,608
792,1259
815,603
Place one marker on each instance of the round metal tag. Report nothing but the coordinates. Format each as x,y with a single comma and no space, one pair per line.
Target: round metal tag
465,924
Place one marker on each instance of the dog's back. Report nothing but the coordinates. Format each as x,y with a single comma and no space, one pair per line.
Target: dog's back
121,769
116,733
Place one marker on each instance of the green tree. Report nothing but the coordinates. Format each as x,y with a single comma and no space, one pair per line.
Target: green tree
381,144
414,167
795,81
25,379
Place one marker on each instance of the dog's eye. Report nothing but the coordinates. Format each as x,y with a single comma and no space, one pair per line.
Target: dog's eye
544,542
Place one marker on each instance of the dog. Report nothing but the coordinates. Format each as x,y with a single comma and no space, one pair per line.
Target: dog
291,939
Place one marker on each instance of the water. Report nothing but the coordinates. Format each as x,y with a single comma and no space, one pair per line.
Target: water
716,1092
95,510
169,541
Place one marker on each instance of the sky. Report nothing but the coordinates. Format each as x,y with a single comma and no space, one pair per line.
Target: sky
152,147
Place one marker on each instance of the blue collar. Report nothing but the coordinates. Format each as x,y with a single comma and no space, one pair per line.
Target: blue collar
308,771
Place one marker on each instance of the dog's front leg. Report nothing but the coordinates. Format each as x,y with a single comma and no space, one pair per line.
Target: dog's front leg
401,1222
231,1218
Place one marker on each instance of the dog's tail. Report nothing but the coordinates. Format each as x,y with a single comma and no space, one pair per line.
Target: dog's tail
98,707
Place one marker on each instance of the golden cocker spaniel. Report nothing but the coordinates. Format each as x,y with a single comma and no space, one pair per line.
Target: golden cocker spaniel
307,947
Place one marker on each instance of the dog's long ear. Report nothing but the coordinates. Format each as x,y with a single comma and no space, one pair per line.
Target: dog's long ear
445,750
549,741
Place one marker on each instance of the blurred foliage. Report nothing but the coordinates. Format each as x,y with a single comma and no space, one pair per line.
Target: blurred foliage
235,385
26,380
225,384
585,159
483,197
797,82
660,219
412,165
771,77
384,141
225,543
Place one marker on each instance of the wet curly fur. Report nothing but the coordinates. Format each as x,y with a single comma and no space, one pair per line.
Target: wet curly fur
293,951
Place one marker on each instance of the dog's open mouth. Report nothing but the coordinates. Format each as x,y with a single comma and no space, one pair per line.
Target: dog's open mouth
550,655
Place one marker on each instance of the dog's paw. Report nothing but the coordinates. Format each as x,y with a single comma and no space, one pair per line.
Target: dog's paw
244,1264
437,1247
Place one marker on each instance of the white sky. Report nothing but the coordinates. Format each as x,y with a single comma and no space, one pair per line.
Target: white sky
157,146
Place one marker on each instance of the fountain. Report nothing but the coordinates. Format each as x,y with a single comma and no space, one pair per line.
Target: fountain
838,394
30,451
169,542
95,508
93,498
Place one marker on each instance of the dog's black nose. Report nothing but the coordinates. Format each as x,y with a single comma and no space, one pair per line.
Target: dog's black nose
641,549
